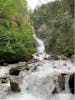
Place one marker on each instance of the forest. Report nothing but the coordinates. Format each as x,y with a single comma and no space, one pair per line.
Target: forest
54,23
16,34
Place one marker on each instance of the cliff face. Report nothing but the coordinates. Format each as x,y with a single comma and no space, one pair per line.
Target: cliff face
16,35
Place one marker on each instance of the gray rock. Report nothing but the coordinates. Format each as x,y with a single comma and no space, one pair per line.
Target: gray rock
71,84
61,82
14,86
4,80
14,71
53,57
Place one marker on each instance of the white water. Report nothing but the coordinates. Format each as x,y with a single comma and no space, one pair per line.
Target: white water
39,84
40,55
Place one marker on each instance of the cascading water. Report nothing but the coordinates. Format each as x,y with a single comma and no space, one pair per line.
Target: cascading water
40,55
40,83
41,47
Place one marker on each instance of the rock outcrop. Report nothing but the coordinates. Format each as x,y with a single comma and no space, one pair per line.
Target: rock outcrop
61,82
14,71
71,84
14,86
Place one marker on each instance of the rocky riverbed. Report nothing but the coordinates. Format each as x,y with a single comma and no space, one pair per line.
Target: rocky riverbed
45,77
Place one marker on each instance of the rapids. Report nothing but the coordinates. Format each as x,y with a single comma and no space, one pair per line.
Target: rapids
39,84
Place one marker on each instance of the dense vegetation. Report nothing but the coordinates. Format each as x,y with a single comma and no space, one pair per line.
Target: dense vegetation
54,22
16,41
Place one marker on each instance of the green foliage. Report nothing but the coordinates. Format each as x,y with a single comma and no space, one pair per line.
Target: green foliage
16,35
59,30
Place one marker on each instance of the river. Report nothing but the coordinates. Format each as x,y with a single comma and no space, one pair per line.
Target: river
39,84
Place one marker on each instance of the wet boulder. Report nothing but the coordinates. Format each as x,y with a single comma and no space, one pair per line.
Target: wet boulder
53,57
71,84
14,86
3,80
61,82
14,71
55,91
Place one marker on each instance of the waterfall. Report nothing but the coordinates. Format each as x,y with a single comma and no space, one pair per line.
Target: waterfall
41,54
41,46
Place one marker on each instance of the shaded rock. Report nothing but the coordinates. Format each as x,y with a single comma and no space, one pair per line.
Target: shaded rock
4,80
32,61
55,91
14,71
53,57
34,68
65,64
71,84
61,82
5,64
25,67
54,66
62,57
14,86
47,57
72,58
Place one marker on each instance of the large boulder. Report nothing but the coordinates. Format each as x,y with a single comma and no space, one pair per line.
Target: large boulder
71,84
14,71
14,86
61,82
